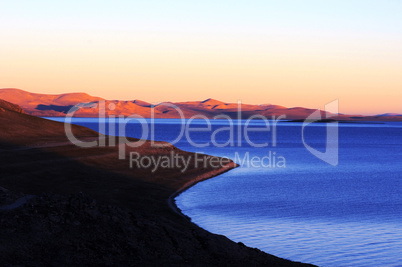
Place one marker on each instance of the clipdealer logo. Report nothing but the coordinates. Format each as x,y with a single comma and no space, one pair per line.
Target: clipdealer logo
331,154
238,134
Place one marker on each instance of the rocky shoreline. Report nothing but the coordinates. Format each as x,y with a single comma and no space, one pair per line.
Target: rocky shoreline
194,181
75,230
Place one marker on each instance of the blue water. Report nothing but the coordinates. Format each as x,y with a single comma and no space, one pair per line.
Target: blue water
307,210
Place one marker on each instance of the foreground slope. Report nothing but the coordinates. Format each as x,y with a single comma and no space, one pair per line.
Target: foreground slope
64,205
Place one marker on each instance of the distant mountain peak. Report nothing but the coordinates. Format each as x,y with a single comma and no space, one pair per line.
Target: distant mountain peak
388,114
212,102
142,103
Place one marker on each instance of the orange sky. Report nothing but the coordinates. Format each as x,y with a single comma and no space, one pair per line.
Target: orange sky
254,54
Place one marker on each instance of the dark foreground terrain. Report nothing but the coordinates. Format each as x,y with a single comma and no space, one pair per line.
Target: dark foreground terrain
62,205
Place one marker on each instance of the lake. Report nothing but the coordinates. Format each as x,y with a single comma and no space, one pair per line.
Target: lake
293,204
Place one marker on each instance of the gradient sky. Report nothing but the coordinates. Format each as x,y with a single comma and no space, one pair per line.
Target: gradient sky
291,53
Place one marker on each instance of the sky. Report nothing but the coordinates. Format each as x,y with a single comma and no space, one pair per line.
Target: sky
290,53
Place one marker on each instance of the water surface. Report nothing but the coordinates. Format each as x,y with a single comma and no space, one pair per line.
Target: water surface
309,211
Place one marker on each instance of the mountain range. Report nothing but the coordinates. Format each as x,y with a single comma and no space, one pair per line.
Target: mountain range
84,105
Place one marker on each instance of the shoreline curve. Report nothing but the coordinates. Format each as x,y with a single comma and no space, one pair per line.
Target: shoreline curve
202,177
